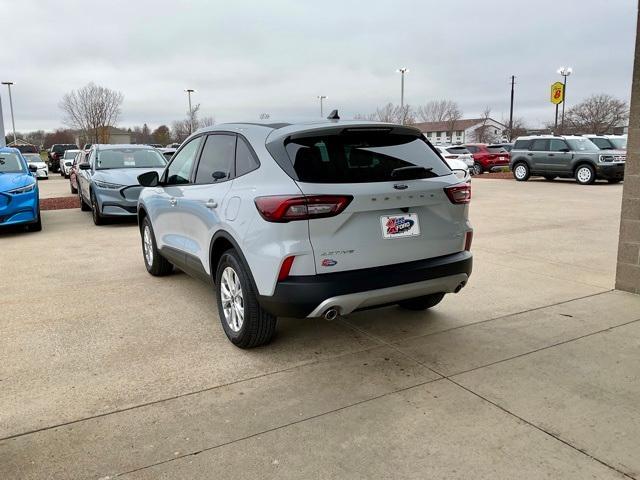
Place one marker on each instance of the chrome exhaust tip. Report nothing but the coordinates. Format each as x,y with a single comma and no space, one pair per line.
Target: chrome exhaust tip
331,314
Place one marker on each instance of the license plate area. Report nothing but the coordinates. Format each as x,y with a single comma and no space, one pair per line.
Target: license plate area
400,226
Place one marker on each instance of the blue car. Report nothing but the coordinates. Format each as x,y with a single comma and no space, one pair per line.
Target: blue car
19,195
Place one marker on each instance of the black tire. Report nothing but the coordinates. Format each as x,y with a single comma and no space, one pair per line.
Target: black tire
614,180
159,266
521,172
37,226
97,217
258,326
549,178
477,169
83,205
422,303
585,174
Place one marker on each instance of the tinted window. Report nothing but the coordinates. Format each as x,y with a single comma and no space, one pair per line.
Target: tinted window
179,170
472,148
603,143
359,157
245,159
558,145
10,163
458,150
217,158
496,149
521,145
128,158
539,145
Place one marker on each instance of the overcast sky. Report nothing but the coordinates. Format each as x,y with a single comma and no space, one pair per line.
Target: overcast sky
277,56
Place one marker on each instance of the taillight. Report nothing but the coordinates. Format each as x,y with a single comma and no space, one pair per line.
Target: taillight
285,208
285,268
459,194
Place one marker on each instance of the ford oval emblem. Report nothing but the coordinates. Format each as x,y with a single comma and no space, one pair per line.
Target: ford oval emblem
400,186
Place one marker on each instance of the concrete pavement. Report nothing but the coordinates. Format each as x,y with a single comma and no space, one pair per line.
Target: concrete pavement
55,186
529,372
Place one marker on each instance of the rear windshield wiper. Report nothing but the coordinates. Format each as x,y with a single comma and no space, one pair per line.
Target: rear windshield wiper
412,172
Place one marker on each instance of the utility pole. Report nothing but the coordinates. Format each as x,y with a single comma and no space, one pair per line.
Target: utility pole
402,71
3,143
513,81
13,122
321,98
189,92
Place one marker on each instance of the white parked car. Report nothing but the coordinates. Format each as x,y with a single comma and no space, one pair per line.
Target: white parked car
458,162
66,162
35,160
457,152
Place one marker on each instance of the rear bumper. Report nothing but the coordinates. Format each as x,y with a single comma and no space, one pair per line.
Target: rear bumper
611,171
311,296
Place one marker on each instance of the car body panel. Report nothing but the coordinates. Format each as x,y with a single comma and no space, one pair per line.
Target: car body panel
18,208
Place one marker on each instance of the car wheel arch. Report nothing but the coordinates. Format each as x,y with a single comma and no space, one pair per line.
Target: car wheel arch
220,243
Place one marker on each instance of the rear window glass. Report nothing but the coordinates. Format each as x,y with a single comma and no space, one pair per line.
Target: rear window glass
521,145
496,149
458,150
360,157
27,148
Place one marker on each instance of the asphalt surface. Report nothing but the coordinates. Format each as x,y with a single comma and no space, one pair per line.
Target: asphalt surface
530,372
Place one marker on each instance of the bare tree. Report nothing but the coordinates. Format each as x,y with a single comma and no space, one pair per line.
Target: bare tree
597,114
390,113
485,133
446,111
92,109
206,122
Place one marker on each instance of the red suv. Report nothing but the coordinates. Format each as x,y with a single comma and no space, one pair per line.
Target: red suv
487,158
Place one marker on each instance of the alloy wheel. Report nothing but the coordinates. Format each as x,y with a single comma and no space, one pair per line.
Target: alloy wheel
584,175
232,299
148,245
520,172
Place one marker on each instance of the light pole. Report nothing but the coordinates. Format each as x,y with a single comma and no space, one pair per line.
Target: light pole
565,72
3,143
402,71
189,92
321,98
13,122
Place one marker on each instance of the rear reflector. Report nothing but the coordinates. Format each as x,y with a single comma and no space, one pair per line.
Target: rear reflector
467,241
285,268
459,194
284,208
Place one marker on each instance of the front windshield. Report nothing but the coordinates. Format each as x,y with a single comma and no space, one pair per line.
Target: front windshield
129,158
581,144
10,163
620,143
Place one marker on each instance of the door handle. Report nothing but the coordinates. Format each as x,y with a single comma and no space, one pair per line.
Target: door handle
211,204
530,154
173,201
551,155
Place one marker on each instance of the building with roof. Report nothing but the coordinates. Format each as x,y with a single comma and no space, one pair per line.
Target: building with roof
464,131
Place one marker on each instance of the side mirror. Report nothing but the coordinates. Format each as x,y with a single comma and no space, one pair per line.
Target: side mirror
149,179
218,175
85,166
33,168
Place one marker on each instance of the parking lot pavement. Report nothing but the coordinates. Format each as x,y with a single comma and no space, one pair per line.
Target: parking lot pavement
55,186
529,372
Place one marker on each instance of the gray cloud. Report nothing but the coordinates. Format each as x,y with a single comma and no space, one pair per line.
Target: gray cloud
248,57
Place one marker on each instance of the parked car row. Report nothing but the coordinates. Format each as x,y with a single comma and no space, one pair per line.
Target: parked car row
569,156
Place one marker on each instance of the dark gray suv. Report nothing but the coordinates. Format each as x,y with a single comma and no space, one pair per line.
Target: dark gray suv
565,156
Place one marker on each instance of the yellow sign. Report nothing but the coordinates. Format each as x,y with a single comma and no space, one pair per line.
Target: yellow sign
557,93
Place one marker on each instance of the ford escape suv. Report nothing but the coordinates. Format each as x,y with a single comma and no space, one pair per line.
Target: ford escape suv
308,220
566,156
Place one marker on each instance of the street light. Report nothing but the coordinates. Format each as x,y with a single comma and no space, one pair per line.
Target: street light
189,92
321,98
565,72
402,71
13,122
3,142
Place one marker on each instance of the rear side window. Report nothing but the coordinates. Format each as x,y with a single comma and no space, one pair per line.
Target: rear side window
245,159
361,157
216,161
472,148
522,145
539,145
458,150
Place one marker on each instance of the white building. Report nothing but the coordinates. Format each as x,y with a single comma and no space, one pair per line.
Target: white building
464,131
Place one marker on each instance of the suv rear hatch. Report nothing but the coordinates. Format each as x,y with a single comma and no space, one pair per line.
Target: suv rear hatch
395,182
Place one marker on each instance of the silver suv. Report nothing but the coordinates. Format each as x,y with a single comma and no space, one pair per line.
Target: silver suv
565,156
308,220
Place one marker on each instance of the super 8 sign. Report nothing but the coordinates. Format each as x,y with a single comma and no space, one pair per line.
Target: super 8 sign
557,93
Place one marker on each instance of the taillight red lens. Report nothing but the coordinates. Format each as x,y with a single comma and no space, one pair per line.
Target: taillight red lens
459,194
285,268
285,208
